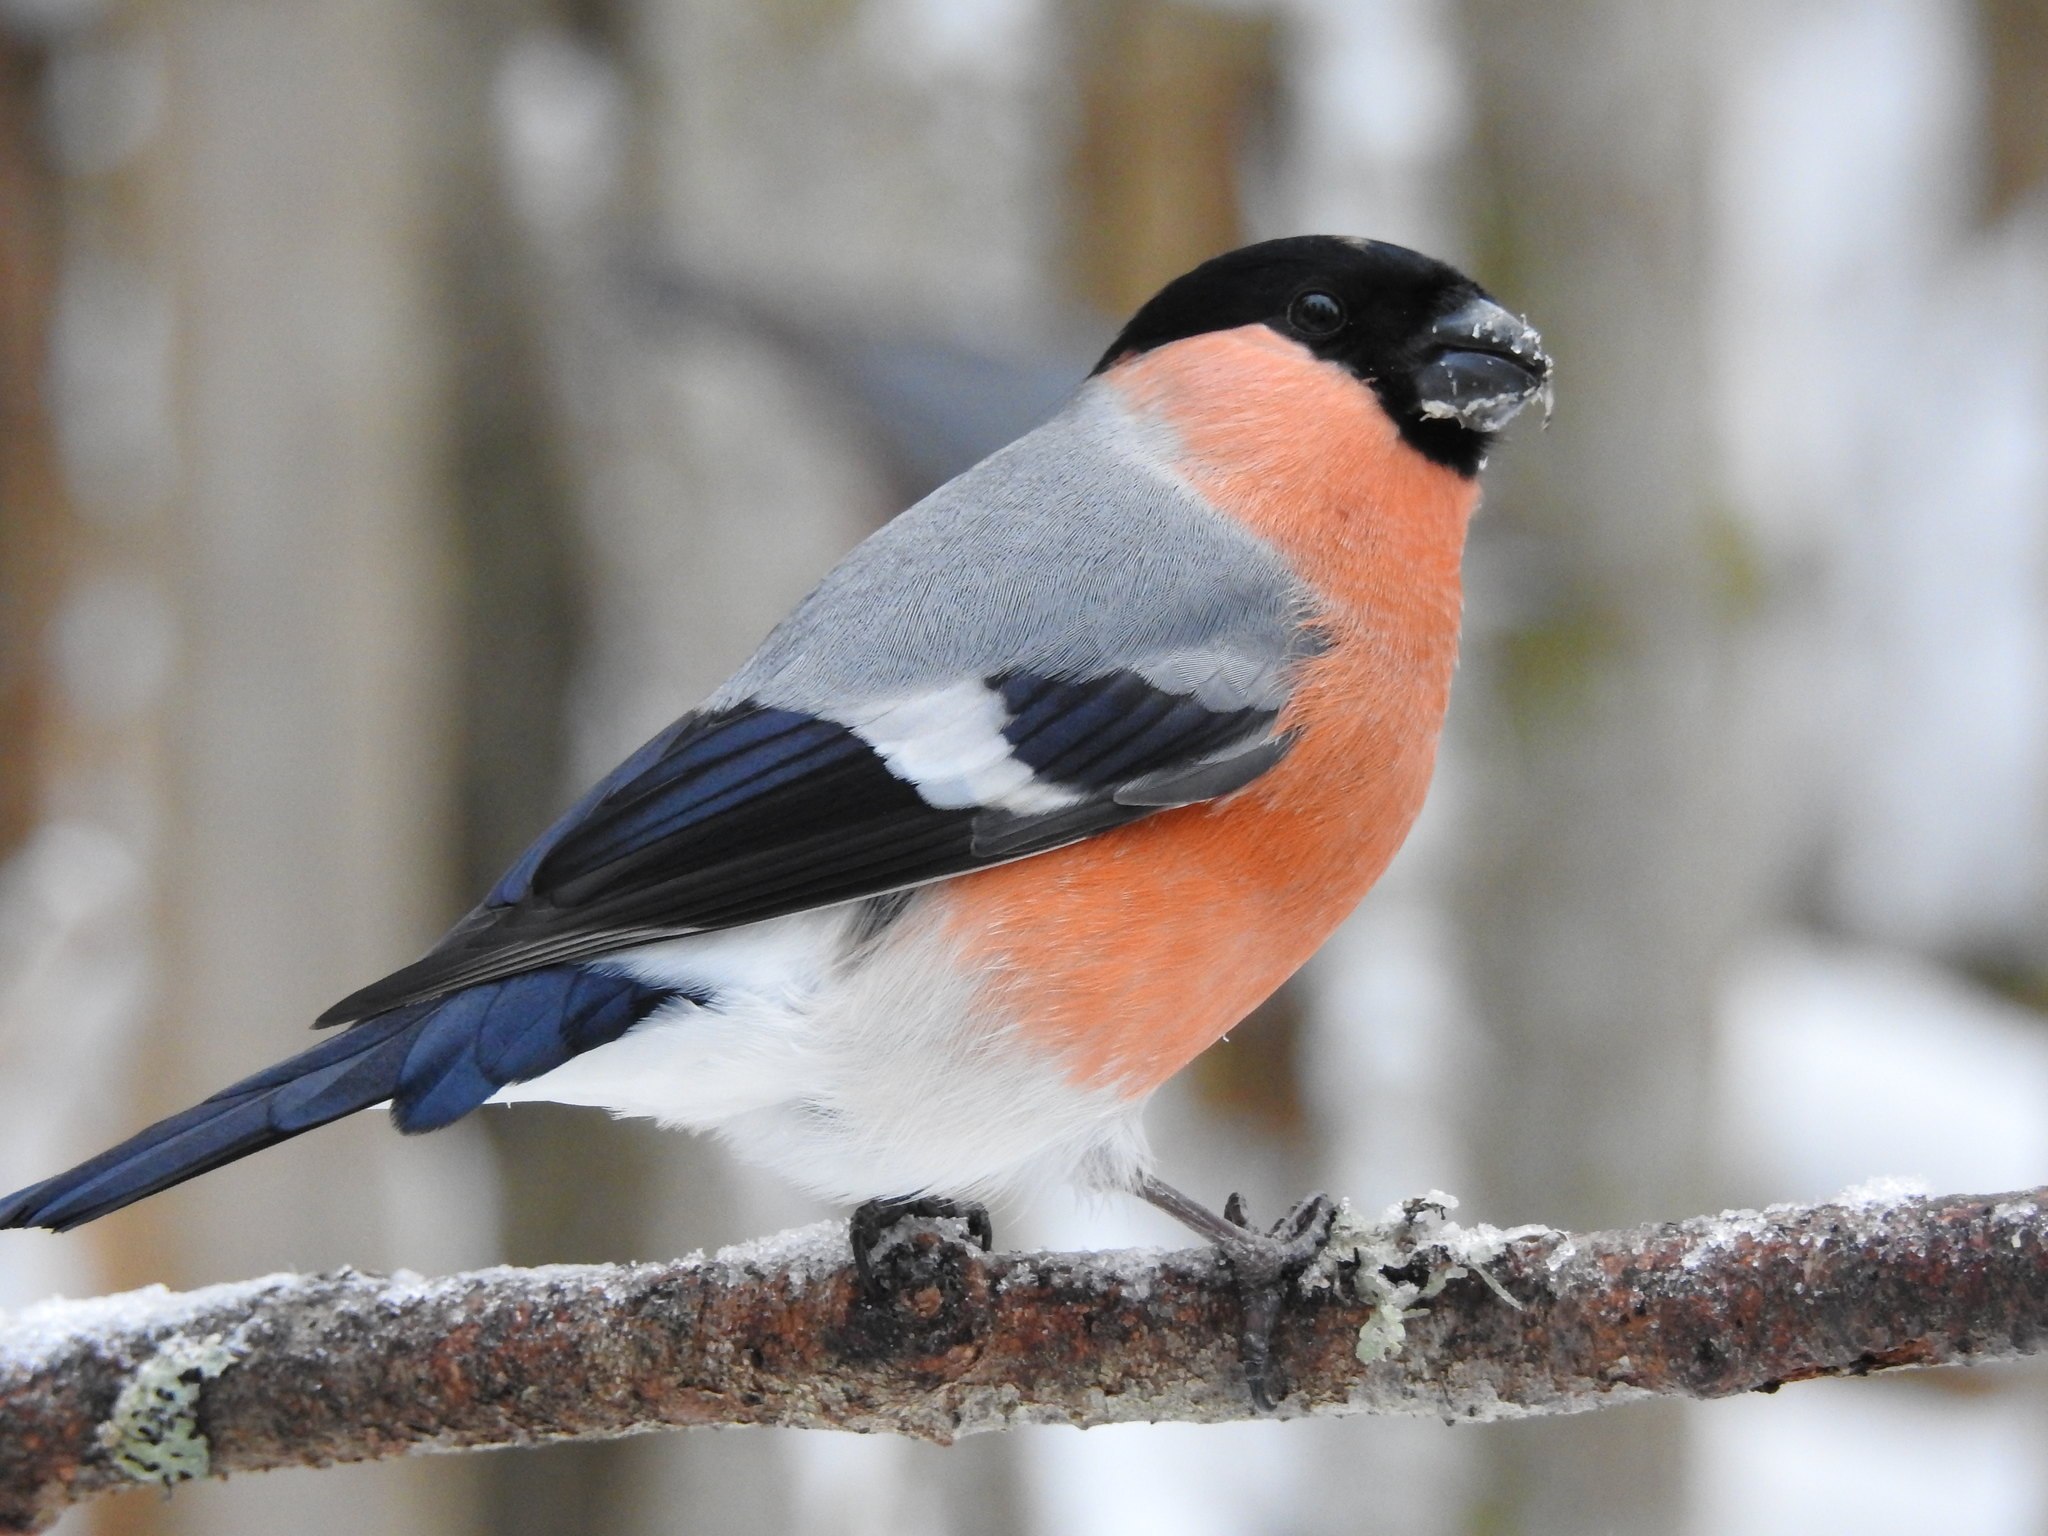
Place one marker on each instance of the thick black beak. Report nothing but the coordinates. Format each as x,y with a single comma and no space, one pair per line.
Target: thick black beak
1484,366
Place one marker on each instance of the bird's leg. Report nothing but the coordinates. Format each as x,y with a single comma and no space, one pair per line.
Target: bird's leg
1263,1263
873,1219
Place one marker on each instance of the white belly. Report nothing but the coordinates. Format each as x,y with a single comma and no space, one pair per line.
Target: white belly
852,1071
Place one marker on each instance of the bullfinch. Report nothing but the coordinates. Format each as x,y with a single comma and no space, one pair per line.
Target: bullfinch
1047,785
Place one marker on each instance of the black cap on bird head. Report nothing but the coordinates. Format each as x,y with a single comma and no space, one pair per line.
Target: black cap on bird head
1450,366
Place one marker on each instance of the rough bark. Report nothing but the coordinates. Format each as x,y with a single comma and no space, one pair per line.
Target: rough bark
1419,1316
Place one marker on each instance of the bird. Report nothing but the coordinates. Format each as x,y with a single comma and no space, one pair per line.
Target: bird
1049,782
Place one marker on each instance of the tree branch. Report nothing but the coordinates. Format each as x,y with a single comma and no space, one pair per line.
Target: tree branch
1417,1316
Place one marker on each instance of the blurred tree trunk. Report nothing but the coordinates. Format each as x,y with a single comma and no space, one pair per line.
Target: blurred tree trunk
572,1186
1615,850
283,233
1170,94
79,706
2015,45
2014,42
2013,37
33,519
82,637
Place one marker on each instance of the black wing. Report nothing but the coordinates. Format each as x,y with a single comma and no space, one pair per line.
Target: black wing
753,812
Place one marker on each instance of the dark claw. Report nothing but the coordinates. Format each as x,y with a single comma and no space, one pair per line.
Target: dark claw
1264,1264
873,1218
1315,1213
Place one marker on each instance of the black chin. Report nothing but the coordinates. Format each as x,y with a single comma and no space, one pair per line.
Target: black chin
1443,441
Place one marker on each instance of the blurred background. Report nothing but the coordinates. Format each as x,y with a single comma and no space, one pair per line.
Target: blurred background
406,409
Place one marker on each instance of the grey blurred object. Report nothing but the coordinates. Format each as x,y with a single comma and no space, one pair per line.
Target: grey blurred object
933,403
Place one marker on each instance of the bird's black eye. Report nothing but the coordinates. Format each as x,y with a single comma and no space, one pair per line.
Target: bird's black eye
1315,313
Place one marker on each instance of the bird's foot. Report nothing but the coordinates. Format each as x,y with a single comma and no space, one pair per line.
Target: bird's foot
870,1230
1264,1264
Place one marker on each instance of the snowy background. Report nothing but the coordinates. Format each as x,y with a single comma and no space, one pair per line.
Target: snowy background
406,409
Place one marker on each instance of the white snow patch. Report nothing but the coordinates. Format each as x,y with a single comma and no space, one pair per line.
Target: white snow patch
1883,1192
1134,1269
125,1323
30,1335
1718,1234
803,1253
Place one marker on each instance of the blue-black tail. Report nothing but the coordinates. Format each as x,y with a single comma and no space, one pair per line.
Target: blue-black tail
434,1061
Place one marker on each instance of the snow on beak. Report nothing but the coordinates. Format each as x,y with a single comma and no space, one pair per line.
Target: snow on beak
1483,366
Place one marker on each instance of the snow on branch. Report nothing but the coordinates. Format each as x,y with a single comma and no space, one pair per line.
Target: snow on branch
1415,1315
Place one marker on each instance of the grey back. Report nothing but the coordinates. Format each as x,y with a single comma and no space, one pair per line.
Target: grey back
1073,552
